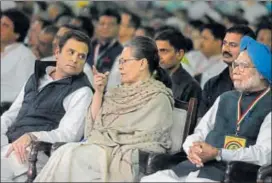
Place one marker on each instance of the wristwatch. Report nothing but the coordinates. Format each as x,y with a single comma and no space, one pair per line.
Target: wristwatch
219,155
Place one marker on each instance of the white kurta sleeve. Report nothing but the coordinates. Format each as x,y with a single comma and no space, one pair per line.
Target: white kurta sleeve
260,153
8,117
206,124
71,125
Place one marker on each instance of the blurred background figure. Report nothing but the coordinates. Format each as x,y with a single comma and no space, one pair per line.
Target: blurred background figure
145,31
110,24
263,33
129,24
35,29
17,61
44,47
85,23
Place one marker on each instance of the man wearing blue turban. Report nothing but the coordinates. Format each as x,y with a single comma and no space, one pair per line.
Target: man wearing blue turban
236,128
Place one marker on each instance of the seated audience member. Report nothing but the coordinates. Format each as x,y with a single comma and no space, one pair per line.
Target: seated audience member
221,83
35,29
236,128
206,62
106,47
51,107
129,24
264,34
172,46
61,32
136,115
17,61
44,46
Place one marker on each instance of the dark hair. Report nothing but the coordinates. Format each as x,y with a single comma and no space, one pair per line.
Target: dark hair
189,44
145,47
243,30
149,31
165,27
20,21
134,21
93,12
51,29
86,25
236,20
217,30
197,24
174,37
77,35
111,13
263,26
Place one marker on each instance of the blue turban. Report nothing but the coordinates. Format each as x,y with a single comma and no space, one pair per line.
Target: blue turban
260,55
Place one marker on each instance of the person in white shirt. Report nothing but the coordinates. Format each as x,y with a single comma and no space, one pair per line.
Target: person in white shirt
207,62
236,128
51,107
17,61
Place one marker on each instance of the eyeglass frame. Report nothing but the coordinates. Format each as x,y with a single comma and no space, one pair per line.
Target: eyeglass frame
123,61
241,66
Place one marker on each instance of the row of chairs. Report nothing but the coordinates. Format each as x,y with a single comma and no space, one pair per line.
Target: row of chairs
184,115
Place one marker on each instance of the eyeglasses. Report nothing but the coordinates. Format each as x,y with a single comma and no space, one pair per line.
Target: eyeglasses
123,61
241,65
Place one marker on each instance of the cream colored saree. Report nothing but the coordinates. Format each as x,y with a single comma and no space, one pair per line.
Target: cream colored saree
131,118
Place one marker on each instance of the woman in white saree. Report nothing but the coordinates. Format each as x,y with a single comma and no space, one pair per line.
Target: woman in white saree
137,115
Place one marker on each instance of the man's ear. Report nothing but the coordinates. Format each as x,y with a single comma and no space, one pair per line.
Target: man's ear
180,53
56,52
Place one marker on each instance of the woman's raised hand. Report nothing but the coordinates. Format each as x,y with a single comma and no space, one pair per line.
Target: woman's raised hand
100,80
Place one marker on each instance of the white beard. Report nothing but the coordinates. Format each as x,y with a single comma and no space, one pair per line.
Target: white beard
254,81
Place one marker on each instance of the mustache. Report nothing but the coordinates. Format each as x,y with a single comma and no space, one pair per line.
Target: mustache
225,53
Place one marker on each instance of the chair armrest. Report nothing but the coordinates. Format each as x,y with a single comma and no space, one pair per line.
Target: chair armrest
264,172
152,162
36,146
238,171
56,145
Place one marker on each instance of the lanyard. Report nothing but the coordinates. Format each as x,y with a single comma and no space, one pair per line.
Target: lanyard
99,56
241,117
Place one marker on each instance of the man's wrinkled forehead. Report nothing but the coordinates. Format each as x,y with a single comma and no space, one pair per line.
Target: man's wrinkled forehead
244,57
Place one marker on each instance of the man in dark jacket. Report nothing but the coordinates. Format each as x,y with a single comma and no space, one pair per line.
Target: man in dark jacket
172,46
105,48
223,82
51,107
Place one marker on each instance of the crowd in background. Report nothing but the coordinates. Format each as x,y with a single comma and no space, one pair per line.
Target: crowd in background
194,44
140,18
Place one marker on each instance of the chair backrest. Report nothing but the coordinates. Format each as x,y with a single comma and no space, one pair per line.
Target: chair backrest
184,118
